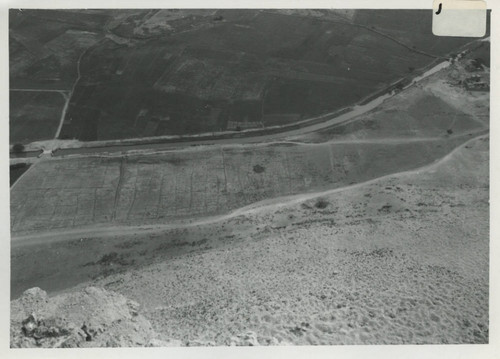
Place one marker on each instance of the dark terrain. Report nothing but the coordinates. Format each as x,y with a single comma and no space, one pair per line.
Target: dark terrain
143,73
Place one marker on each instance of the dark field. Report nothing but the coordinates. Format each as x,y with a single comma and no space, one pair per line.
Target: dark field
44,46
34,116
16,171
150,73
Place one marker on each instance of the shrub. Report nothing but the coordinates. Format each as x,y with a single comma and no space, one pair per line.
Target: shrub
258,169
321,203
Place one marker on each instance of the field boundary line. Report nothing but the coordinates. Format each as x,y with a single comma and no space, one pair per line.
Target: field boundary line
21,176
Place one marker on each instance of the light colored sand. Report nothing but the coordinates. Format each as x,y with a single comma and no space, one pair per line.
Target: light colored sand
403,260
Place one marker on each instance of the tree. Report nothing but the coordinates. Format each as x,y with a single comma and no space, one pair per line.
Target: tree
18,148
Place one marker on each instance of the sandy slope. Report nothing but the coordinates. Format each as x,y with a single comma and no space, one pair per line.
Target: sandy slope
401,260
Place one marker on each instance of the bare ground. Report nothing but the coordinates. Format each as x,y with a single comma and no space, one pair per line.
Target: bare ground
402,259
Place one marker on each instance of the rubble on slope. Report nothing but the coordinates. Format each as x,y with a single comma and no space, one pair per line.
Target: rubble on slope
93,317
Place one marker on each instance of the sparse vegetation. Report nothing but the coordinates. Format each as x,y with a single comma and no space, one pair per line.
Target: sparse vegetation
258,169
321,203
112,258
385,208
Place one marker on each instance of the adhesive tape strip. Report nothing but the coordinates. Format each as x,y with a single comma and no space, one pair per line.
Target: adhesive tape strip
465,18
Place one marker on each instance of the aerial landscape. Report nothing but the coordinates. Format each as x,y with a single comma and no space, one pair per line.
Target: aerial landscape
221,177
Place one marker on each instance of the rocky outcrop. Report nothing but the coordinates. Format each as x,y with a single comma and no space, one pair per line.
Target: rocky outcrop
244,339
93,317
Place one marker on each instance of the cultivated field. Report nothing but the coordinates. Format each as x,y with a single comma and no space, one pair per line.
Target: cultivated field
157,188
409,130
44,46
147,73
392,23
34,116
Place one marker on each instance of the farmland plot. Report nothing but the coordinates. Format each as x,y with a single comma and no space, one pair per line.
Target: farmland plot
420,21
46,45
159,188
34,116
248,64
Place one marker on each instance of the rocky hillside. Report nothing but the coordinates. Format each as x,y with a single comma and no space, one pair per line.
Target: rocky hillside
92,317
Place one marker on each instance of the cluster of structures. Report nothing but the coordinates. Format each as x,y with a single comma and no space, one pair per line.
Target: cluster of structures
476,83
477,78
474,74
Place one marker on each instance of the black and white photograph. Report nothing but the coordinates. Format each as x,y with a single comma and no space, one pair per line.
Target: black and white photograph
215,177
